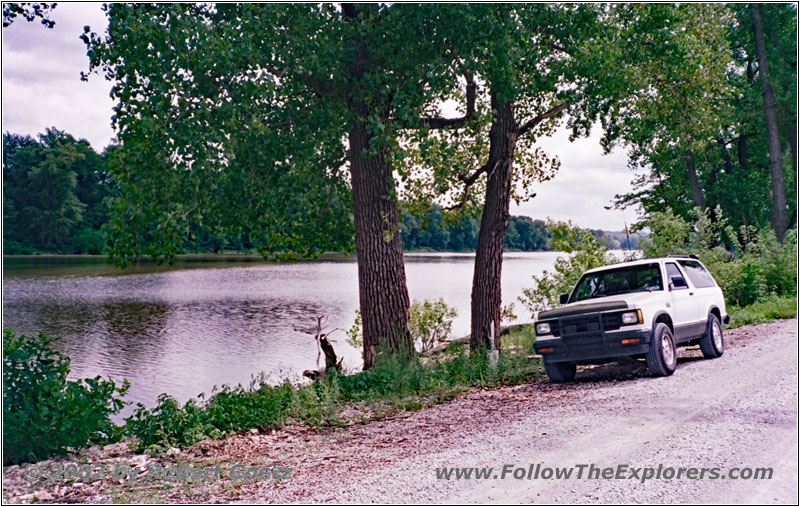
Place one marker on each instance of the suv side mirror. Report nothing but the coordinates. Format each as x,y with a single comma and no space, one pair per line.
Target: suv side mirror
563,298
678,282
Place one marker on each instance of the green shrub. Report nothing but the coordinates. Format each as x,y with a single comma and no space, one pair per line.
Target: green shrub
87,241
169,424
43,412
585,252
430,322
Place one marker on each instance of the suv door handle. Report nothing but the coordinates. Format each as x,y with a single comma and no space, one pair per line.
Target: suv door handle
691,293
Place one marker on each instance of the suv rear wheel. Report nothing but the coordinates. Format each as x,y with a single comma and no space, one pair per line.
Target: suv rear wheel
712,343
560,372
662,357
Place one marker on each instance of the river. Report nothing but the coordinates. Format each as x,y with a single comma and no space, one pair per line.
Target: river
212,320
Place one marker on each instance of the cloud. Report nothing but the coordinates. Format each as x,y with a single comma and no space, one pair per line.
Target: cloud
41,78
585,184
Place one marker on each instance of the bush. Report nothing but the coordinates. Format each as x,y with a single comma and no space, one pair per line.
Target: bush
586,252
87,241
746,273
44,414
227,411
430,322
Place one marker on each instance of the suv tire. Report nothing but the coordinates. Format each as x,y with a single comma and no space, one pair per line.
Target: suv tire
662,357
560,372
712,343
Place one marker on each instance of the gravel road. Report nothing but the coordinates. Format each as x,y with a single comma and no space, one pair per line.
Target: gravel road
736,411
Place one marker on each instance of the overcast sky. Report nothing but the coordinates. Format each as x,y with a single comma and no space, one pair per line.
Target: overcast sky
41,88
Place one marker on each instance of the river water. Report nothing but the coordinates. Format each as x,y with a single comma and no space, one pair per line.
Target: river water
213,320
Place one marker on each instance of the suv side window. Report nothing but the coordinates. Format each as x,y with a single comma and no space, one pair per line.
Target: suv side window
673,271
697,274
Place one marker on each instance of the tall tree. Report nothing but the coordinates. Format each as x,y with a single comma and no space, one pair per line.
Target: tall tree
41,181
235,115
525,57
774,144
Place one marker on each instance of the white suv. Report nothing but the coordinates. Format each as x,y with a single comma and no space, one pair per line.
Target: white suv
646,307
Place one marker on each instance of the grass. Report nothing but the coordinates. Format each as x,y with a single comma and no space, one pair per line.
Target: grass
393,384
774,307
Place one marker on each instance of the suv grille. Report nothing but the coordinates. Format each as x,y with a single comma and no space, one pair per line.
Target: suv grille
581,332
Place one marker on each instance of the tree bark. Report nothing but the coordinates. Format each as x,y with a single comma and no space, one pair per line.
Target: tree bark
793,145
775,157
741,152
694,183
486,284
382,290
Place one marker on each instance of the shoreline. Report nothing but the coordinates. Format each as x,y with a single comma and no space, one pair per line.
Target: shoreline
317,456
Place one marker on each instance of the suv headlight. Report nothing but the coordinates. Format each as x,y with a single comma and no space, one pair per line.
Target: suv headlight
543,328
632,317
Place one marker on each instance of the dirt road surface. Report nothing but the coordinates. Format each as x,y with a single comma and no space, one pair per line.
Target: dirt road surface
739,410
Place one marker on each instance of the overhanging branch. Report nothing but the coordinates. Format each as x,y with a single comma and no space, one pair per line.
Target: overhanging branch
468,182
525,127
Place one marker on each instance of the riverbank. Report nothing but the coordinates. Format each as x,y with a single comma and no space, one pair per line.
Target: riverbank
362,459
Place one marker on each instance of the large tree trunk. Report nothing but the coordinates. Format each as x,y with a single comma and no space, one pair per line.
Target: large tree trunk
694,183
741,151
486,285
383,295
774,144
382,290
793,145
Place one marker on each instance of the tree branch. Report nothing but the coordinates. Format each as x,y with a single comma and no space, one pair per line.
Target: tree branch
472,93
525,127
317,87
440,123
468,182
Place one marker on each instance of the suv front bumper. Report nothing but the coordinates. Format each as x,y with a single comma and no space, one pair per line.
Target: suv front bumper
594,346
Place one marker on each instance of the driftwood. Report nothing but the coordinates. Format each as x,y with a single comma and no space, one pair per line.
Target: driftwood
323,347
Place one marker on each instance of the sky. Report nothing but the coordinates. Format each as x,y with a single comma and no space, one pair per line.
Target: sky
41,88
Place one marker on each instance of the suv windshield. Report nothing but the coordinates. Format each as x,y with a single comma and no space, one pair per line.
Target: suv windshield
639,278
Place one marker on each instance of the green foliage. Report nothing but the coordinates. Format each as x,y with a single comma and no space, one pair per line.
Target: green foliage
713,117
87,241
438,231
28,11
746,272
770,308
430,322
585,251
168,424
44,414
53,194
395,382
354,336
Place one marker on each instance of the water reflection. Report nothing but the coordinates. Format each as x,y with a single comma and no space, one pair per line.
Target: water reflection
186,328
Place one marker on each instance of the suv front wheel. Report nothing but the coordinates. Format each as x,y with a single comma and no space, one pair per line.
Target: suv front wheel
712,343
560,372
662,357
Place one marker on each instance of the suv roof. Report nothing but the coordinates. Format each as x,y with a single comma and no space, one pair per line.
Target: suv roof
646,260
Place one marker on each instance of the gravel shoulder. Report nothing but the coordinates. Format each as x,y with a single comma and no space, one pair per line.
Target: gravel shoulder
736,411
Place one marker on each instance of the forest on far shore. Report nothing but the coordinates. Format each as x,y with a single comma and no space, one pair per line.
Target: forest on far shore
55,191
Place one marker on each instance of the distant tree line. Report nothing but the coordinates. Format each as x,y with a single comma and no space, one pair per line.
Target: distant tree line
433,232
54,200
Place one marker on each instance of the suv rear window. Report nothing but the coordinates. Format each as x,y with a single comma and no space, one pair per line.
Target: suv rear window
697,274
638,278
